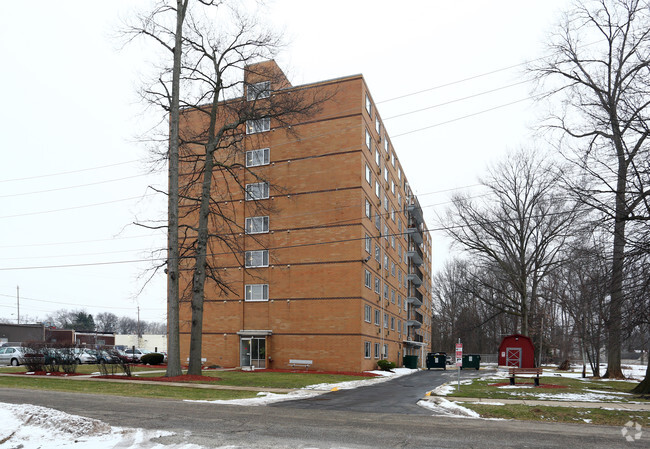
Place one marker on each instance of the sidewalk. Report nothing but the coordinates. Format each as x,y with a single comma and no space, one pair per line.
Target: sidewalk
536,402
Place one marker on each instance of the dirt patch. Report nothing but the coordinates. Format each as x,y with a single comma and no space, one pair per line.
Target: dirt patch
183,378
525,384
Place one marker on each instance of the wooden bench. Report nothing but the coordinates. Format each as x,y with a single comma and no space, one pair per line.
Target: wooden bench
295,362
513,372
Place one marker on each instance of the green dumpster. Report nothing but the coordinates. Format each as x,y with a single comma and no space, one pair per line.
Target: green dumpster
471,361
437,360
410,361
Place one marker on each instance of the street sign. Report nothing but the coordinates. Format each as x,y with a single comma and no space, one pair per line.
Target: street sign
459,354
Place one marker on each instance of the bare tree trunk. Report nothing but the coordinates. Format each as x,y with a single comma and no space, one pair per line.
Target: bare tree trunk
173,253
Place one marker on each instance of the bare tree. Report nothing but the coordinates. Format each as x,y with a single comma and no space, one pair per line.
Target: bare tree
106,322
218,104
517,233
600,62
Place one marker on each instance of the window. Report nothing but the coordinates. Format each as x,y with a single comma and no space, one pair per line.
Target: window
385,203
368,175
368,244
392,296
377,188
257,191
368,105
377,317
257,225
399,199
258,90
377,253
378,221
405,303
368,279
392,216
392,187
378,125
258,126
376,350
386,232
385,350
368,140
257,258
386,320
392,323
385,291
399,276
399,327
392,159
366,349
386,176
399,301
399,173
377,157
367,313
257,292
386,261
392,241
385,145
255,158
392,269
377,286
368,209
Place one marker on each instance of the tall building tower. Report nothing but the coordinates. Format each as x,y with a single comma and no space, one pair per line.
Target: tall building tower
329,258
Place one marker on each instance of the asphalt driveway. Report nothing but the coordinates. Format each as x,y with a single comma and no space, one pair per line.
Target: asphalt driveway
398,395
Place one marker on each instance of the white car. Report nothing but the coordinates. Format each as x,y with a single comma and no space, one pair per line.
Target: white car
137,354
12,355
84,356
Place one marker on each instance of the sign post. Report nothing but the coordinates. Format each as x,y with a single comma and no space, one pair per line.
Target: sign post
459,359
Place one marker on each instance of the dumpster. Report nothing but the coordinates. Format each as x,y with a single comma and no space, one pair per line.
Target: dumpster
437,360
471,361
410,361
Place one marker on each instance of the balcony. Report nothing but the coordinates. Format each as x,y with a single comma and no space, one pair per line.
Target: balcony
415,324
415,211
415,257
414,279
415,234
414,301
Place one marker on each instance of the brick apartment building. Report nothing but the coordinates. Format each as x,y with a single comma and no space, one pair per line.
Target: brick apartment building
335,260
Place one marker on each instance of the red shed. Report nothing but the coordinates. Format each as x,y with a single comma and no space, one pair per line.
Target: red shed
517,350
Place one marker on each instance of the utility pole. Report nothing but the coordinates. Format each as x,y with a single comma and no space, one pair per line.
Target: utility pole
18,302
139,333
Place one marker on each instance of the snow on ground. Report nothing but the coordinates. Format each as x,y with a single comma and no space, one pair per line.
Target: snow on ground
33,427
309,391
442,406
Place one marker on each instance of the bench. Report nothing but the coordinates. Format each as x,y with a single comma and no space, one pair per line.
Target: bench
295,362
513,372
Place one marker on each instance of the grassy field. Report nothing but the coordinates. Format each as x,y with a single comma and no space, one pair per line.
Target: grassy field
121,388
617,391
81,369
560,414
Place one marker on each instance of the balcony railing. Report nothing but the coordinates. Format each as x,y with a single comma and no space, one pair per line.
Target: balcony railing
415,302
415,212
415,257
414,279
414,324
415,234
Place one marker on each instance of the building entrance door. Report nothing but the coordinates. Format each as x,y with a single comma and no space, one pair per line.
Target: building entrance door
513,357
253,352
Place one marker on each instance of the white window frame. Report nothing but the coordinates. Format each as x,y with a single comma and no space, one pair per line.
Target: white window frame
368,105
378,125
256,292
376,350
377,285
367,279
257,91
377,317
386,145
377,157
367,313
385,320
253,189
368,209
377,253
392,323
377,188
255,158
368,175
257,225
392,158
368,140
385,350
366,348
368,244
255,254
259,125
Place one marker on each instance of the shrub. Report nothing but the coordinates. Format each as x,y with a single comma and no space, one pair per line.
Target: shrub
153,358
34,361
385,365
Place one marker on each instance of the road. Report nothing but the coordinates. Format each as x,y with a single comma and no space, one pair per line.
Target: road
289,426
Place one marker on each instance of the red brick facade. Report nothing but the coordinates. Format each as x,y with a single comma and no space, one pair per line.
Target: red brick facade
317,240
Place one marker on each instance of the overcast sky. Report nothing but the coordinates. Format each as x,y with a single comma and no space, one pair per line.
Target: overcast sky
74,176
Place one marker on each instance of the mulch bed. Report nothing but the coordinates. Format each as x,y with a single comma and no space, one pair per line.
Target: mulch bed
525,384
47,373
341,373
183,378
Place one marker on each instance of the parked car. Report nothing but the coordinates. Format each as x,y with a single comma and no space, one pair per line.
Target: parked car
84,356
12,355
101,356
137,354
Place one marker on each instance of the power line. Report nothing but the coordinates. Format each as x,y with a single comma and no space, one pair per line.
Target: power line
70,171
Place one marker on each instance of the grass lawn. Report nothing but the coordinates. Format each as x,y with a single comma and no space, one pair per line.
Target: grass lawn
120,388
271,379
618,391
81,369
560,414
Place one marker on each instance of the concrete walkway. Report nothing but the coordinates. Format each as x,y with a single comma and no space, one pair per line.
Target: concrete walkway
643,407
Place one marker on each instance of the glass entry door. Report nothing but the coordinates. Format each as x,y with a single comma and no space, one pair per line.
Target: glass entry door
253,352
